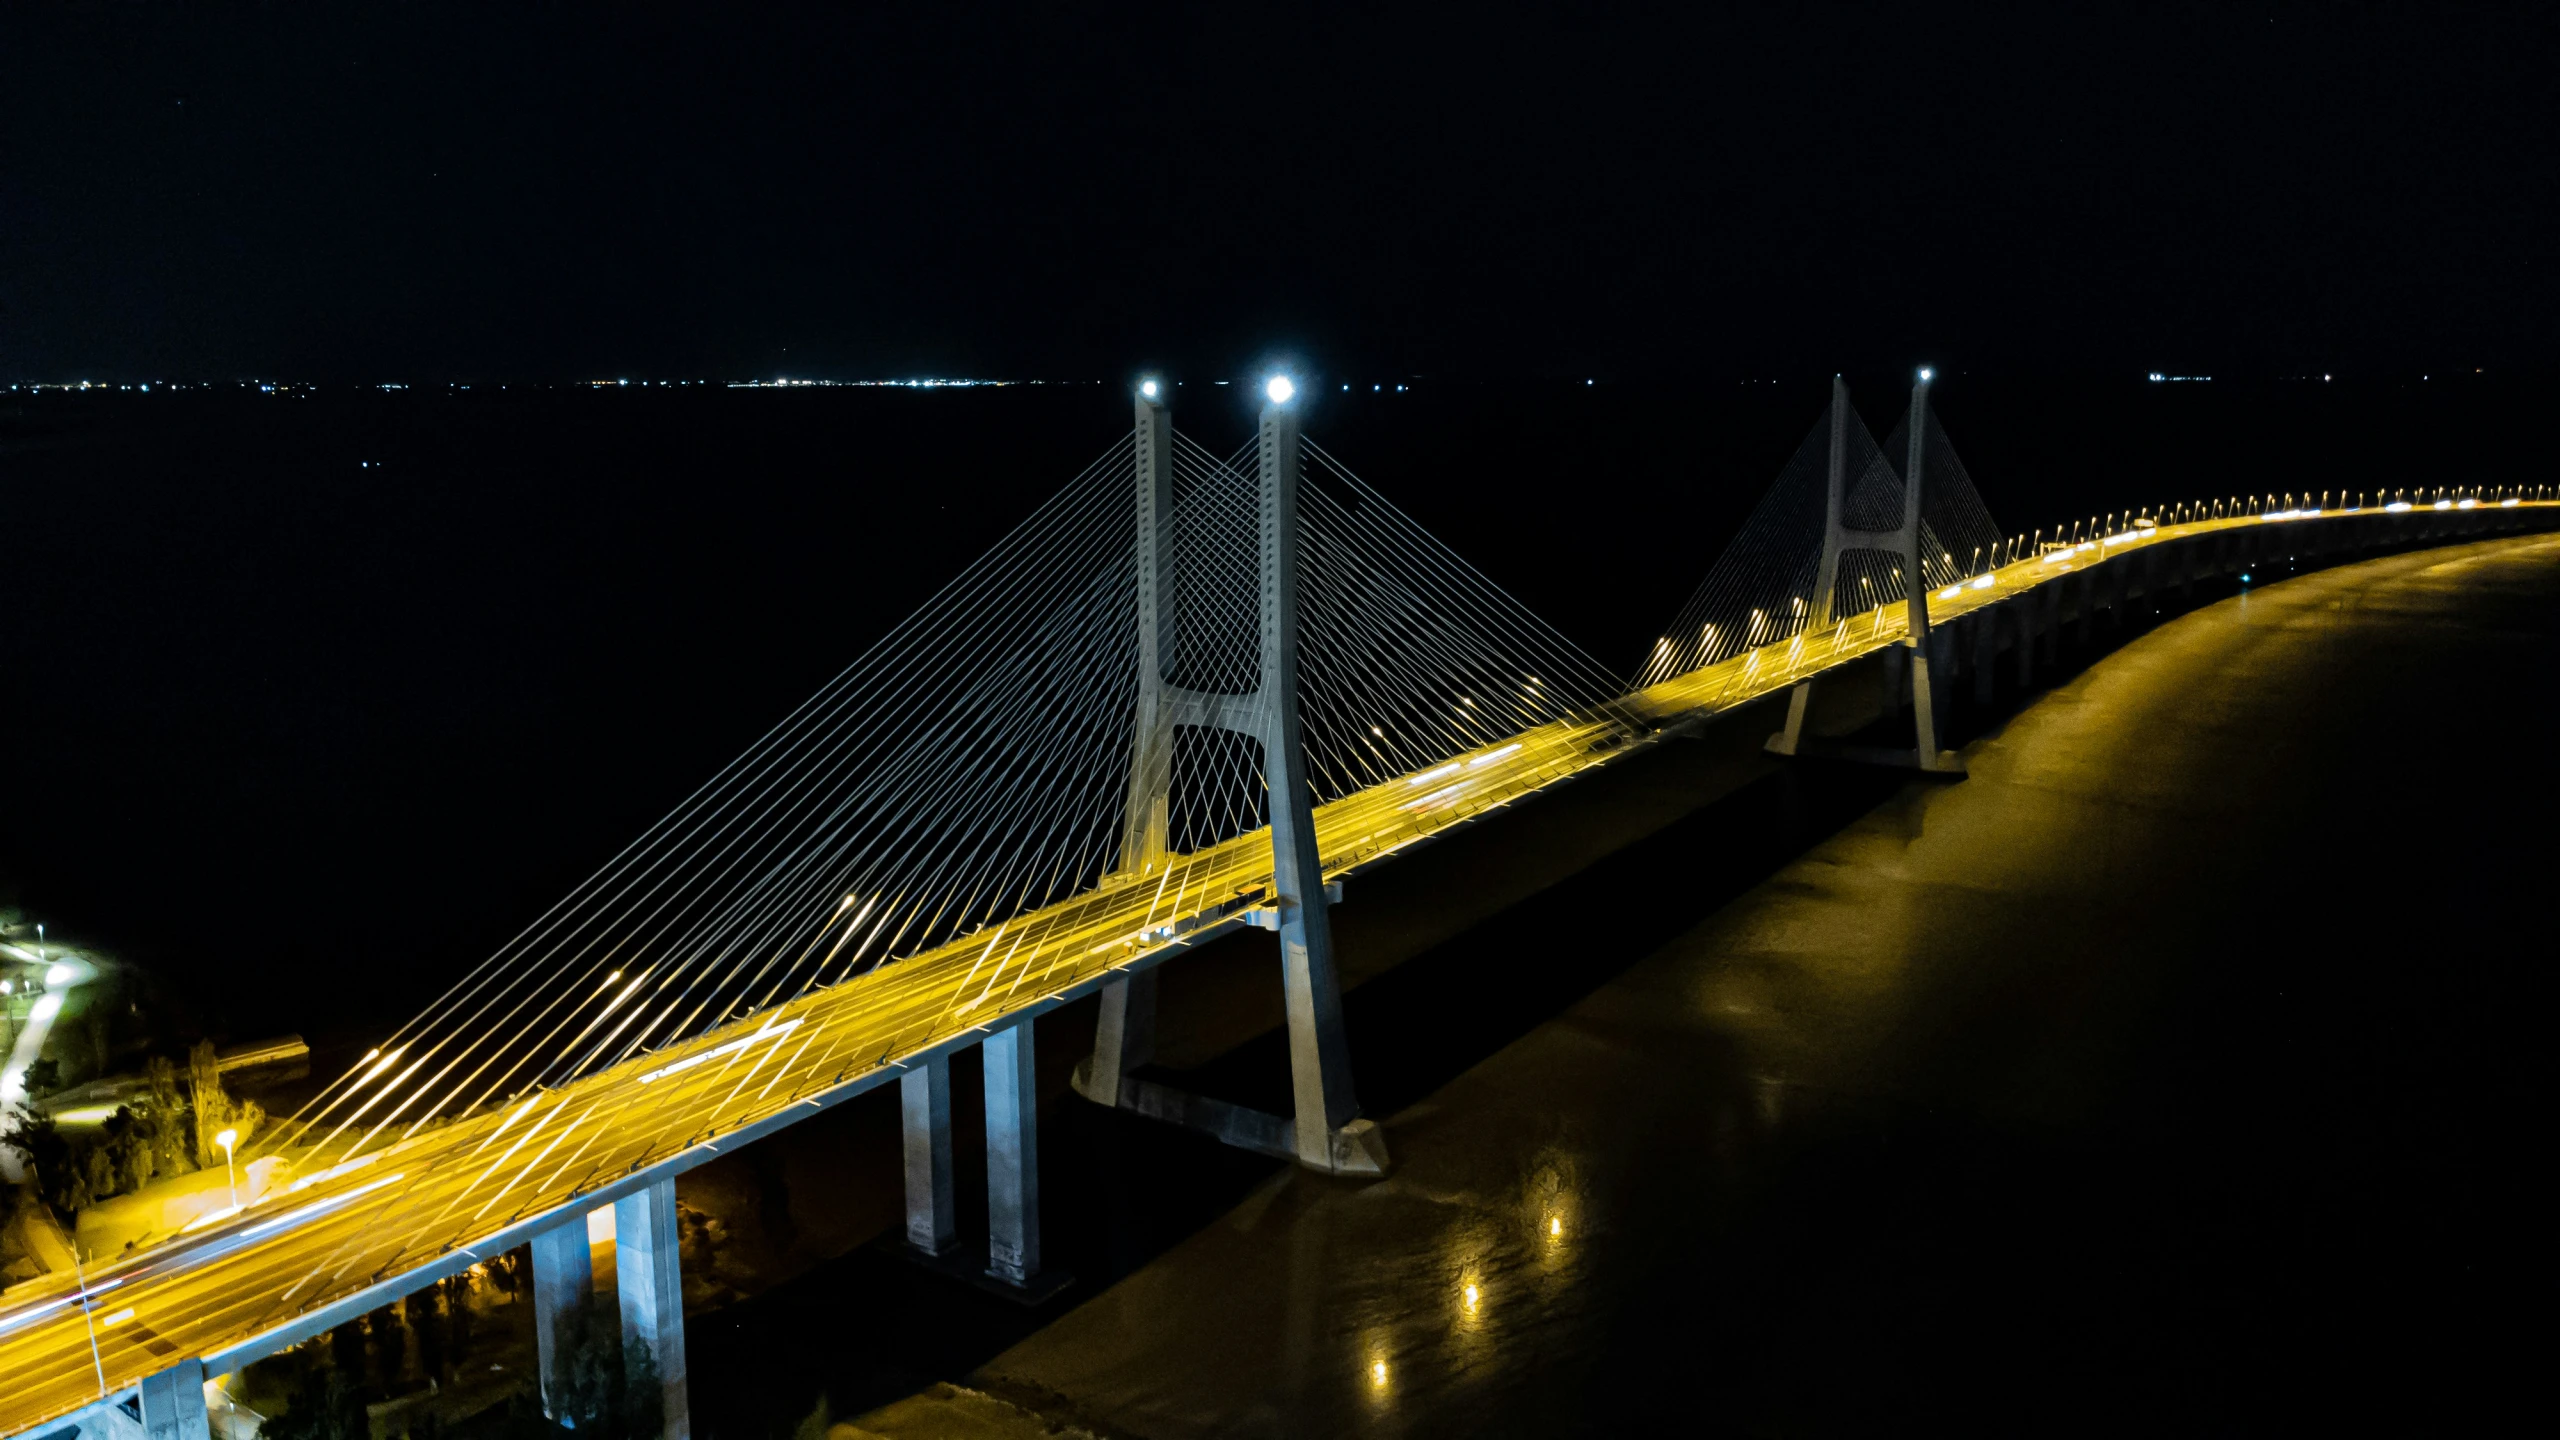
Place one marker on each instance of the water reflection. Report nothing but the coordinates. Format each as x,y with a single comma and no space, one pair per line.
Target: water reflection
1552,1205
1381,1385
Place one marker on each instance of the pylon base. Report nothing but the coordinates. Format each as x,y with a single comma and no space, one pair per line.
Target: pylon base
1945,762
1357,1149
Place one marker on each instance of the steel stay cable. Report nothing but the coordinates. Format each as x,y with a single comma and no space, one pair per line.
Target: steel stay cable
803,713
1053,510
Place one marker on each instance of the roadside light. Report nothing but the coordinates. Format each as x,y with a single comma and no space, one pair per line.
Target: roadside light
226,1140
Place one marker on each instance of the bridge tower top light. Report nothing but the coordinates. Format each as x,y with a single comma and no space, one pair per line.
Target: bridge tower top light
1280,389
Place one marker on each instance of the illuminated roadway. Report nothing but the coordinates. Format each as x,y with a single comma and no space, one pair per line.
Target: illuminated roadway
359,1233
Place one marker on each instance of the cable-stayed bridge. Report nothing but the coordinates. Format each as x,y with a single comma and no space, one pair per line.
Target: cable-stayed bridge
1191,693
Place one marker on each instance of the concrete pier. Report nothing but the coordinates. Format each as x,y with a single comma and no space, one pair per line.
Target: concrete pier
563,1282
173,1404
645,1241
924,1109
1013,1157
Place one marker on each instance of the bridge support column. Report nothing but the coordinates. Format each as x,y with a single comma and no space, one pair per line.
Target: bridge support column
563,1281
1013,1156
173,1404
924,1109
645,1241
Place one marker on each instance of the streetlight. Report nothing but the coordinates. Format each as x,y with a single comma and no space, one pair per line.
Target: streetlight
226,1140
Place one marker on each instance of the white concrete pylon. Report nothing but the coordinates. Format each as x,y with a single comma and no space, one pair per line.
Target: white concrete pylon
1324,1131
1904,543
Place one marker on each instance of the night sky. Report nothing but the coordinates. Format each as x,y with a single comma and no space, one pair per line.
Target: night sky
434,192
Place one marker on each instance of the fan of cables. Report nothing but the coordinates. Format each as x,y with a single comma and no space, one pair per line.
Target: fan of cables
974,766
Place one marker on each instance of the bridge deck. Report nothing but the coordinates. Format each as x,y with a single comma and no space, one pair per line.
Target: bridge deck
401,1213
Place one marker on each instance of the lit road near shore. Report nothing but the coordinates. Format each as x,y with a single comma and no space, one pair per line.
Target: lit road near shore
451,1188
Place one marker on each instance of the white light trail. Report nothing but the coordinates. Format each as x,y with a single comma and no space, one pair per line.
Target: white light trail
318,1208
769,1032
22,1317
332,1173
